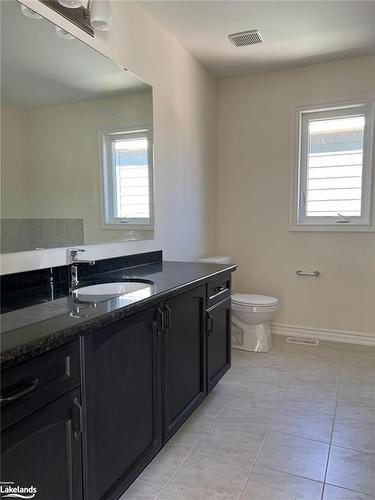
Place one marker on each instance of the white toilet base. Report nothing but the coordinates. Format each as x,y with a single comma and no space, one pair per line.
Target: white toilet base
252,337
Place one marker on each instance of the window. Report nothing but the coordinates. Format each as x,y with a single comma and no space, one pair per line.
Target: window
127,179
333,185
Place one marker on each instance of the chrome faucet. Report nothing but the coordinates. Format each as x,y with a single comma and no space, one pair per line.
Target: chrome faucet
74,254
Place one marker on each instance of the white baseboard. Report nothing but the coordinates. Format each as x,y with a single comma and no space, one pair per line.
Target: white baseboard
321,334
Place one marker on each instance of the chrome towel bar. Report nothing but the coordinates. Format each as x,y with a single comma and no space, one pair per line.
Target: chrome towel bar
307,273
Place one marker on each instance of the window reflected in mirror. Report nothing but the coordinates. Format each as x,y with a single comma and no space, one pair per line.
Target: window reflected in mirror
127,178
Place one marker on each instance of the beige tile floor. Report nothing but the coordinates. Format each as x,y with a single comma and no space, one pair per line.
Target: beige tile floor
297,423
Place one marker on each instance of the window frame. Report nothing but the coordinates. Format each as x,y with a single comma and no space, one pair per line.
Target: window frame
109,187
299,220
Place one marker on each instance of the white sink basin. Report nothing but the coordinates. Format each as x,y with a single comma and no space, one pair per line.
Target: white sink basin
131,290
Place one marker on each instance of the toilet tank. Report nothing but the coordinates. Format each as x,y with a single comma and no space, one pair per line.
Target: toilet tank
220,259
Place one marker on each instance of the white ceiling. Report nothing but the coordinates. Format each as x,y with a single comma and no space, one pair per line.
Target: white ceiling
294,33
40,69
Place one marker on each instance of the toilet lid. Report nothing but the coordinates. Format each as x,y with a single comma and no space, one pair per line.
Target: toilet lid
254,300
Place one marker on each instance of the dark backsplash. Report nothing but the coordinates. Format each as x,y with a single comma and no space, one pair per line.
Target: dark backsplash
39,277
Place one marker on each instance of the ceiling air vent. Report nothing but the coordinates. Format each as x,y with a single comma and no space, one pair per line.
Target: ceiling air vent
243,38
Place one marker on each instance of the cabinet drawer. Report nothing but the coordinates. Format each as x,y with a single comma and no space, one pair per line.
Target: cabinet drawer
32,384
218,290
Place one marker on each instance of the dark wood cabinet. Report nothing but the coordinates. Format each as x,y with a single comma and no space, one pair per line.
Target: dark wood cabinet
44,450
122,400
139,378
184,377
218,342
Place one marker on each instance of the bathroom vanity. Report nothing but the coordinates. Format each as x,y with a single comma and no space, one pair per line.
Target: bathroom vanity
92,391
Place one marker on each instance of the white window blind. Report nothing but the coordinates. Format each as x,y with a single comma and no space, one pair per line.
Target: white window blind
335,167
131,178
127,178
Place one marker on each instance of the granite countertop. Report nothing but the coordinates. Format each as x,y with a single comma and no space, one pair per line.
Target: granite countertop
38,319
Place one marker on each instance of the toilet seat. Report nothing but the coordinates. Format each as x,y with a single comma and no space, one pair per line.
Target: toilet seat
256,303
254,300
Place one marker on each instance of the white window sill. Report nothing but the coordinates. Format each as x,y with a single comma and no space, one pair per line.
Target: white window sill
128,227
341,228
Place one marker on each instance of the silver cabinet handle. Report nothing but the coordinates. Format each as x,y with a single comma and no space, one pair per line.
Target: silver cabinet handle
210,323
77,418
308,273
168,318
218,291
13,397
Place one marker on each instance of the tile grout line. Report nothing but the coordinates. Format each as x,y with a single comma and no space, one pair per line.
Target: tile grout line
143,481
352,449
193,448
333,425
349,489
310,439
264,439
292,474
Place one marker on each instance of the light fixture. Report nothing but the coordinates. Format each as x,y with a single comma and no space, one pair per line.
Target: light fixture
30,13
63,34
71,4
100,15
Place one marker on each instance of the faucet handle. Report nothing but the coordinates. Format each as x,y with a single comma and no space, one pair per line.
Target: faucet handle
74,252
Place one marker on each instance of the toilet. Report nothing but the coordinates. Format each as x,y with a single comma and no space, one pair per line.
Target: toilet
251,316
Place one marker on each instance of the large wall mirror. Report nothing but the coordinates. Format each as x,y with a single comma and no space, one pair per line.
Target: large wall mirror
77,141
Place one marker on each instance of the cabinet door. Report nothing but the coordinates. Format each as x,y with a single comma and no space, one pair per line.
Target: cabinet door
122,403
44,451
218,342
184,374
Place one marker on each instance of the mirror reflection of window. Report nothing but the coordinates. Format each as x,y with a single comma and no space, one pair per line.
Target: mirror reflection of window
131,167
127,178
